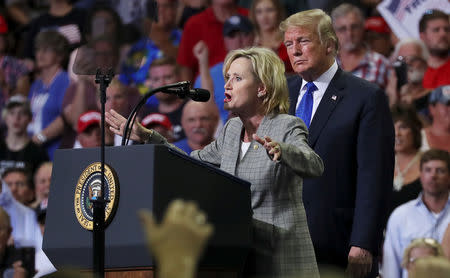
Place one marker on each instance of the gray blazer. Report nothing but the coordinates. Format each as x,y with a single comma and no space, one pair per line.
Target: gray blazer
281,238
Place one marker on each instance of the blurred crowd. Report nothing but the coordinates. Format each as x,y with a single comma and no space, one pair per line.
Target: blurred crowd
50,50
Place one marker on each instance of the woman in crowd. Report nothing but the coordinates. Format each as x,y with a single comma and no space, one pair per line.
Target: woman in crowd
408,141
269,149
48,90
266,15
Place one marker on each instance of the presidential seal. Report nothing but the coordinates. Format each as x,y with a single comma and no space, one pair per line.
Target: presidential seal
89,187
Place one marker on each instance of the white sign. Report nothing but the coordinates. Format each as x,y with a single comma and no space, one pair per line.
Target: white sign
403,16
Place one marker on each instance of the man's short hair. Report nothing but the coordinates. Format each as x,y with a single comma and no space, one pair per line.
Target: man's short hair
407,114
313,19
418,43
431,15
23,171
165,60
435,154
344,9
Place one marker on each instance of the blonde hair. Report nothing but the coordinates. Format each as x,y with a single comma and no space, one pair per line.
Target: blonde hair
314,19
269,70
436,267
422,243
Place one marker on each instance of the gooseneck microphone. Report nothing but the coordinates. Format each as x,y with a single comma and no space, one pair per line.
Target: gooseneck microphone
196,94
183,90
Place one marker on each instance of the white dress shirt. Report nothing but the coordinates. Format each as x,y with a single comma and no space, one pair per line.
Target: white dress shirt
322,84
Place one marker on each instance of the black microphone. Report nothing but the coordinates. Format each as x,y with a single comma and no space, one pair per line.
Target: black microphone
196,94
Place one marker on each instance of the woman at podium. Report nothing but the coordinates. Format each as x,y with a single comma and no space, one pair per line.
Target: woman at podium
266,147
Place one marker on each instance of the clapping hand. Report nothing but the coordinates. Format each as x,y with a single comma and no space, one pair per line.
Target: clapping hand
273,148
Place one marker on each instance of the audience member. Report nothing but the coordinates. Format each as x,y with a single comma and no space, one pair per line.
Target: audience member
408,141
10,265
48,90
266,16
188,8
427,216
434,29
122,99
354,56
164,71
436,267
89,133
199,121
160,123
25,230
378,35
20,184
237,33
17,149
14,77
437,135
42,180
351,129
162,40
206,26
61,17
420,248
179,240
410,56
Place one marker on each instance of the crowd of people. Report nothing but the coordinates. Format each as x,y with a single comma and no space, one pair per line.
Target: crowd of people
356,177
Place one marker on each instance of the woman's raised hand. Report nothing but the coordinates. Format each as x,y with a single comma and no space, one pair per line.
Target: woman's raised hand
117,125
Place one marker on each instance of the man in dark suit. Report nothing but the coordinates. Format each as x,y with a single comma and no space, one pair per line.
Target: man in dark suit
351,129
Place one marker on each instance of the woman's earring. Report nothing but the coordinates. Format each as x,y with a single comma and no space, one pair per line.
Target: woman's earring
260,94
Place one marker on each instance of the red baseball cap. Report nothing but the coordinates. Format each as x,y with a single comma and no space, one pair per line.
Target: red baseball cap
156,119
87,119
3,25
377,24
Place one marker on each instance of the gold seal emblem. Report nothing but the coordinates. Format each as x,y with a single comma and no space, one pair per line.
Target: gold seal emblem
88,187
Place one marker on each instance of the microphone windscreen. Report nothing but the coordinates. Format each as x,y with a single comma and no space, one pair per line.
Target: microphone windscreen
199,94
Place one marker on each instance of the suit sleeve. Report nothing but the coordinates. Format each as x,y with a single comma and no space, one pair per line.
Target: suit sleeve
375,168
296,153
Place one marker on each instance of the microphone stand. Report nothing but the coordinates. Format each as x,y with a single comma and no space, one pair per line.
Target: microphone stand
99,203
184,85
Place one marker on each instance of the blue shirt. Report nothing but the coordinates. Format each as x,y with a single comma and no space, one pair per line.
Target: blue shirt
408,222
148,51
46,106
219,89
183,144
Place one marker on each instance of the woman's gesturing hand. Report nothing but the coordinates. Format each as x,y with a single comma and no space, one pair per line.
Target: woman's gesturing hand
273,148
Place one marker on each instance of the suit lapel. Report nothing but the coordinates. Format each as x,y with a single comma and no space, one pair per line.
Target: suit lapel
235,144
295,84
330,99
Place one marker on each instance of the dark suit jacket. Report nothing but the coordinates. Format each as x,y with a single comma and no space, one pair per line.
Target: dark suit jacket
352,131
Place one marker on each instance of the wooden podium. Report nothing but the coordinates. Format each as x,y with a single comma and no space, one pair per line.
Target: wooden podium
149,176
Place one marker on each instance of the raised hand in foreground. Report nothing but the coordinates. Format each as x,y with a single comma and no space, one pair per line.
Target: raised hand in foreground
179,240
